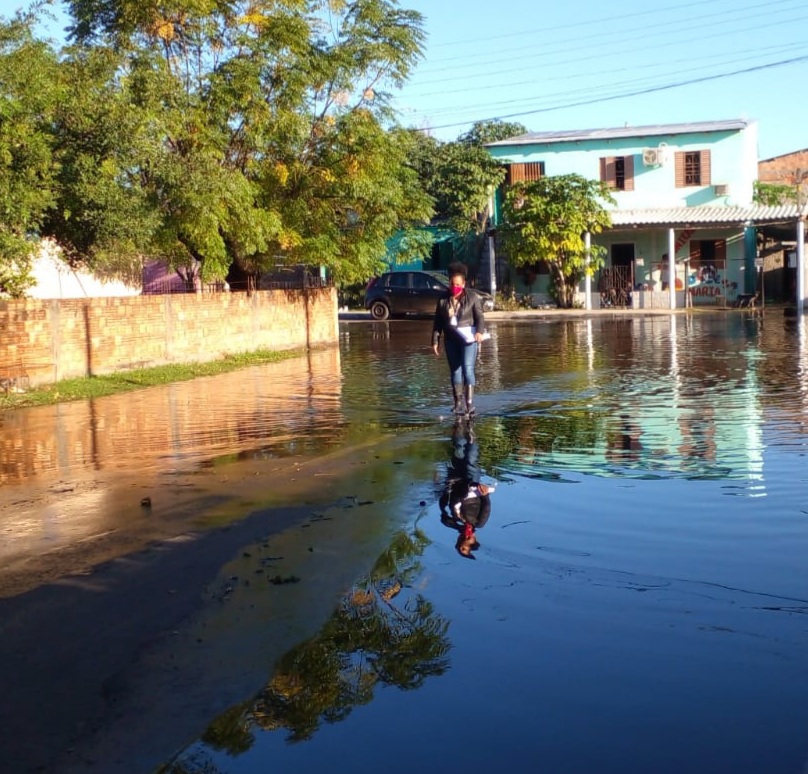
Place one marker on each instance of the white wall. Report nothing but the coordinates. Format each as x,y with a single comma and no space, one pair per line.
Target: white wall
55,279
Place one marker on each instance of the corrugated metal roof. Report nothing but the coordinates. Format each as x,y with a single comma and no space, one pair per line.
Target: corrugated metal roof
655,130
707,216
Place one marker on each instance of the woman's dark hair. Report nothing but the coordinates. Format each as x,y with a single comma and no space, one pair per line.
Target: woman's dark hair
456,267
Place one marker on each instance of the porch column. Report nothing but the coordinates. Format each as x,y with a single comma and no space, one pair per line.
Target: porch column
800,265
492,266
587,277
672,266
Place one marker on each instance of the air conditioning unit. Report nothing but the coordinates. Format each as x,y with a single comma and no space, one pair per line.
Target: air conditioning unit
651,157
721,189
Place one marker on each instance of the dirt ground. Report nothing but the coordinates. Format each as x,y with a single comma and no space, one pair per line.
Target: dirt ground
119,646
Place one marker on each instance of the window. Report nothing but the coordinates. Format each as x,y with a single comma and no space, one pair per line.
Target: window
524,173
423,282
398,279
692,168
618,172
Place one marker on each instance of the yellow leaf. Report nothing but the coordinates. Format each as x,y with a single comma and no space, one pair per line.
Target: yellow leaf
163,29
255,18
282,172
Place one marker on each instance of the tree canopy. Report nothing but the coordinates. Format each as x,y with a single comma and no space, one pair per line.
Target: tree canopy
213,132
461,175
546,219
29,92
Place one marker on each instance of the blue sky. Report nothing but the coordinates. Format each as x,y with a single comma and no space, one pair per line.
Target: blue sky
533,61
585,64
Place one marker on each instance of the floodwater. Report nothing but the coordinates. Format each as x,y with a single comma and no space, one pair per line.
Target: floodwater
636,601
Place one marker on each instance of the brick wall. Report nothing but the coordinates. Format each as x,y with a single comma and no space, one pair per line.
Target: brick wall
45,341
783,169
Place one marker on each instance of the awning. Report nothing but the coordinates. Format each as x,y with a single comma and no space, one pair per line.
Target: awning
705,217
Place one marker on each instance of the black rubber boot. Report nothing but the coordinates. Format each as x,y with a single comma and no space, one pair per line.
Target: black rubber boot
470,400
459,406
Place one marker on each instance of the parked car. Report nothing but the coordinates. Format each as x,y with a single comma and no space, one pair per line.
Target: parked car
410,292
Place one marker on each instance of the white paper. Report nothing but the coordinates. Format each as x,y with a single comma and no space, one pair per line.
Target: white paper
467,333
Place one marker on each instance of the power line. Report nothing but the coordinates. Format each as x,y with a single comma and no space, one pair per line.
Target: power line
611,89
597,55
627,32
636,93
522,33
780,47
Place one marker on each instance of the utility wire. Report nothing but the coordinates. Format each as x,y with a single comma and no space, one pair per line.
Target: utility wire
470,72
607,88
636,93
780,47
655,11
628,33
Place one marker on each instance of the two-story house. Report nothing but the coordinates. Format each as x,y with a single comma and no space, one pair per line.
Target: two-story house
684,223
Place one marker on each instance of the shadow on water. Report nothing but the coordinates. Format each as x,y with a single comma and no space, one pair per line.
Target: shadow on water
646,615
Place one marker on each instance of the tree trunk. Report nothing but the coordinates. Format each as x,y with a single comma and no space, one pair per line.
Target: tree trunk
563,292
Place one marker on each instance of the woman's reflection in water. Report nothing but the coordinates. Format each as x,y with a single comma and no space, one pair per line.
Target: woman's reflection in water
465,502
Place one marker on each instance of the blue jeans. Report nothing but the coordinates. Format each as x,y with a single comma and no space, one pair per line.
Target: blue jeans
461,357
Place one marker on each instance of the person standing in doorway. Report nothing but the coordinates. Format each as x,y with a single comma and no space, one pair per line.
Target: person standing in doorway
460,324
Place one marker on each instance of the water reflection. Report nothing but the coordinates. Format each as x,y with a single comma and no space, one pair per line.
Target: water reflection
297,400
383,633
465,502
615,445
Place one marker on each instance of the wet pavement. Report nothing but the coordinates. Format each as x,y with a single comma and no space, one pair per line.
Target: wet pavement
291,595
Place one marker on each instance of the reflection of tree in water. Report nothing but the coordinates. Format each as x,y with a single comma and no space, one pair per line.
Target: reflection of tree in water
381,633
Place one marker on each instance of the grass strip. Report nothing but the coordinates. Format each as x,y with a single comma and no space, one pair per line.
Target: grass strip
127,381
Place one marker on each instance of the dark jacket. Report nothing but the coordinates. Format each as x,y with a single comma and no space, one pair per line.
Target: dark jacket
470,312
461,499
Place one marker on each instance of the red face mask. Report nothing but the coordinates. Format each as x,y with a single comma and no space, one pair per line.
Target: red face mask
457,290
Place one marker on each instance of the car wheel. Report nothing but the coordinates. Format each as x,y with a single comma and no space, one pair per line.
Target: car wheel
379,310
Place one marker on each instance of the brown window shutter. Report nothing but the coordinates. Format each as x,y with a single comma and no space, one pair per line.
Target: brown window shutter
680,169
628,171
695,250
517,173
533,171
705,168
720,244
607,171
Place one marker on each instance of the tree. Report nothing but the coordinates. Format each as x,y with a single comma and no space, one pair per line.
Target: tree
483,132
460,176
545,220
28,94
243,131
383,632
103,214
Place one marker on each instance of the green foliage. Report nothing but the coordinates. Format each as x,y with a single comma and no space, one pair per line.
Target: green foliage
459,177
84,388
483,132
212,132
774,193
545,220
28,95
382,633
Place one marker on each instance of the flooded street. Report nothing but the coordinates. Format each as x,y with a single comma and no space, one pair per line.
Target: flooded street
251,572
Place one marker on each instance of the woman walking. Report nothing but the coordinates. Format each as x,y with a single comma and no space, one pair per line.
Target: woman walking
460,323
